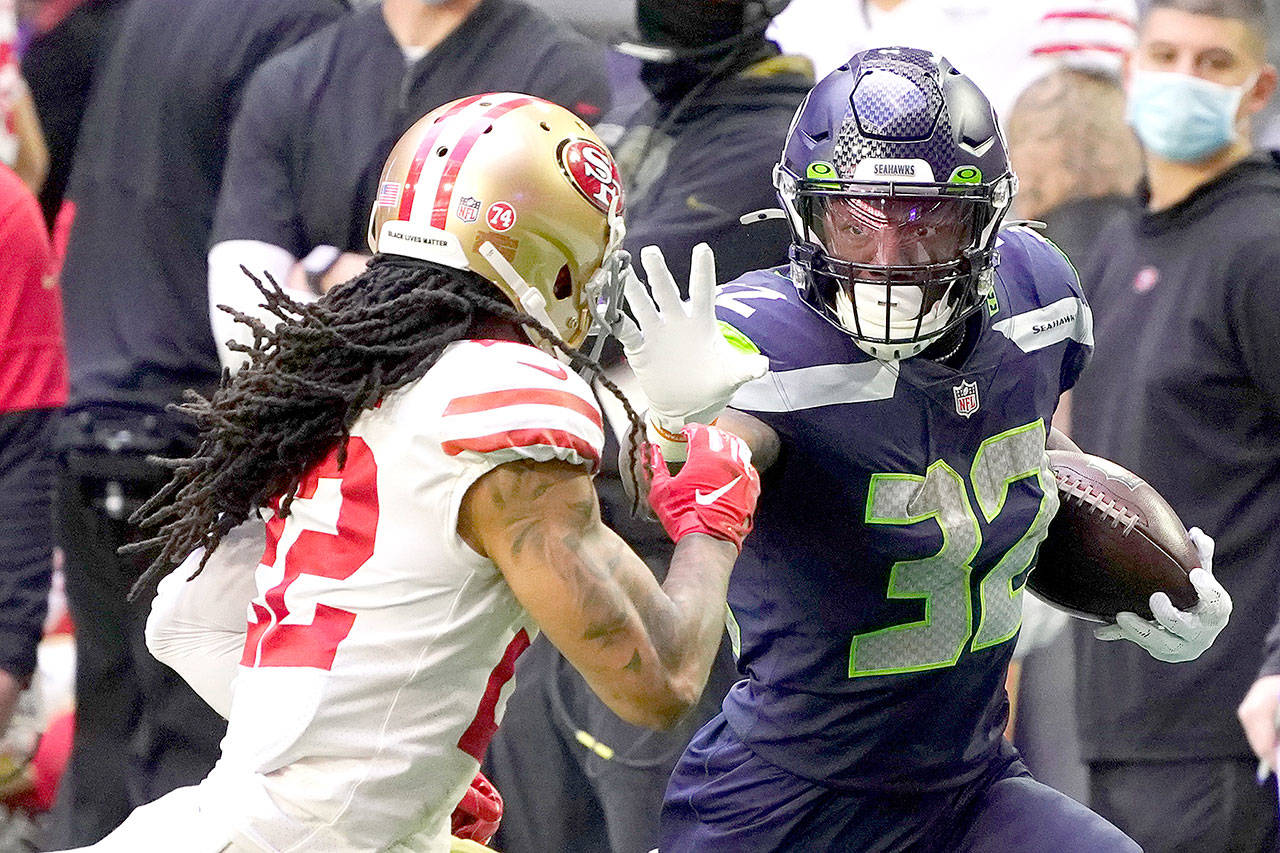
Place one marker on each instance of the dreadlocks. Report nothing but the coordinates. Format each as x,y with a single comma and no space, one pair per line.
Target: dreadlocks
307,382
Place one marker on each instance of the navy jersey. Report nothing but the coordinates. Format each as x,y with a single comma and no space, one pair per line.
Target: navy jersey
874,606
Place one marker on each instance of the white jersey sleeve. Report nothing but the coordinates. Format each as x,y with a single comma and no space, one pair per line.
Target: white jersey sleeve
517,402
197,626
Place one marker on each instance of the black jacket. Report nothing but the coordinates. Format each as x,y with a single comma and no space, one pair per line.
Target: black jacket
1184,390
704,167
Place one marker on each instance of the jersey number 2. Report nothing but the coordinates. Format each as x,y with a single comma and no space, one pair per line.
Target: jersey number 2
942,581
273,639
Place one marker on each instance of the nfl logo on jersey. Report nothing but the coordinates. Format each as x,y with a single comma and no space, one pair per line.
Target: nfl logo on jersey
966,394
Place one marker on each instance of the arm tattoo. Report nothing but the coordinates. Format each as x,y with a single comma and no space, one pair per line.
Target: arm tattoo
663,625
560,531
601,598
564,546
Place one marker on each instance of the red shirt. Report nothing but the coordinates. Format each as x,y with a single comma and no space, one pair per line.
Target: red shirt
33,362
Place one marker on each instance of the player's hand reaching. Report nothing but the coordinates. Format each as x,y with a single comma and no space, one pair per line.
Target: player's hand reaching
715,492
686,368
1178,635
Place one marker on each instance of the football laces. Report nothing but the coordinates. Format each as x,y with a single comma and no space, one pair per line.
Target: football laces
1087,496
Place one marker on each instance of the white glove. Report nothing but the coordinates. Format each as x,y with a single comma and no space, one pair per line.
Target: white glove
1178,635
686,368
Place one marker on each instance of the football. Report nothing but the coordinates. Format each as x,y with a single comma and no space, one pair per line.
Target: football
1113,543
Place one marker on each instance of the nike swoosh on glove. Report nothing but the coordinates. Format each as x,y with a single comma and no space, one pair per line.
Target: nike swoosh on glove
1178,635
686,368
715,492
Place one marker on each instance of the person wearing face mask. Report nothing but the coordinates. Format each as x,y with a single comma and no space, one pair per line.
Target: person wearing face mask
1184,389
712,77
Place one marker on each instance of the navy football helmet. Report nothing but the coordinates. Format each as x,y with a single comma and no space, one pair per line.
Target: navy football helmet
894,178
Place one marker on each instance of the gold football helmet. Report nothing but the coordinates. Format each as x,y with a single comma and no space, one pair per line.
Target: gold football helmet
513,187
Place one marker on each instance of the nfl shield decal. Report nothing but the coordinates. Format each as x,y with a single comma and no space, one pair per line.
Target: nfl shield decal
966,394
468,209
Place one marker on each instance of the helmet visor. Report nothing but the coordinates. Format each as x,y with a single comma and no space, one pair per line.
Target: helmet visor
894,232
894,269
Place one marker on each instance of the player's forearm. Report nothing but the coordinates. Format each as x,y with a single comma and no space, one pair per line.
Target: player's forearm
1058,440
686,630
648,649
32,164
645,649
759,436
706,509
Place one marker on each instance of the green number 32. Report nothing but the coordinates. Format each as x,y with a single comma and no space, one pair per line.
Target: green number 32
942,581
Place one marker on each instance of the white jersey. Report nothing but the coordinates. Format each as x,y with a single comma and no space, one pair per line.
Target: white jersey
380,646
1002,45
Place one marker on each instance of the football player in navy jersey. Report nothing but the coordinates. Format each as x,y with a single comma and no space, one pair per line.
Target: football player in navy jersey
916,352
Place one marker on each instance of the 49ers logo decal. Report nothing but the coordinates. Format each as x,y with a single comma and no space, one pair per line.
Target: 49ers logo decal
592,171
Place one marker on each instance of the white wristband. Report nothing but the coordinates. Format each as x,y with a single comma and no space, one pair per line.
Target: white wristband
664,432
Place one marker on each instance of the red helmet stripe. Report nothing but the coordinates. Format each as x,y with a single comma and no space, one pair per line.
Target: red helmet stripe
444,190
420,158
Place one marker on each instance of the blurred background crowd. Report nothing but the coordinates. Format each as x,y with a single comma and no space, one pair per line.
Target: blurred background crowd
148,148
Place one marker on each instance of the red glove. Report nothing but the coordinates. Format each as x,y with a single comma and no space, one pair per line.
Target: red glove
715,492
477,815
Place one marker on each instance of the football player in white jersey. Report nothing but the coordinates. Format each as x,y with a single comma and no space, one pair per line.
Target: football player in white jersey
424,475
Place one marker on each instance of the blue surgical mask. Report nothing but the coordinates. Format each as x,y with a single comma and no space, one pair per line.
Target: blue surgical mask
1180,117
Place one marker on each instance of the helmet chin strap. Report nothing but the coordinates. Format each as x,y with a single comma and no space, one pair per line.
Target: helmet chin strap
531,301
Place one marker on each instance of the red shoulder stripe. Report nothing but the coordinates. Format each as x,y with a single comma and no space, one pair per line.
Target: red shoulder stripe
523,397
522,438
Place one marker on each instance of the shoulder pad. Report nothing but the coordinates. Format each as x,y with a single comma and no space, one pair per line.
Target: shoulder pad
503,401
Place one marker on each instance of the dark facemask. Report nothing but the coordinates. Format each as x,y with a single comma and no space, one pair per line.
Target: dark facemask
688,23
688,26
